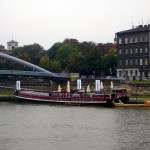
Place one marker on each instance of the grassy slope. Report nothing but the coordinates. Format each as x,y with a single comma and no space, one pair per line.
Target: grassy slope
6,97
140,82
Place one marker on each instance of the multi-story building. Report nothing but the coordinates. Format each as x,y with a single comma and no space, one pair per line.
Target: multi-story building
133,53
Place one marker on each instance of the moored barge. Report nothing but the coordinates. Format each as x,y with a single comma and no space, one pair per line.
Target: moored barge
70,96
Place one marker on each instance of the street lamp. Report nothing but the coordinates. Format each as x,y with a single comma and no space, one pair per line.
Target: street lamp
94,73
110,71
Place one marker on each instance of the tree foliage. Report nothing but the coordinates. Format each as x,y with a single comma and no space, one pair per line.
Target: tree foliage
33,51
86,58
44,62
2,47
63,54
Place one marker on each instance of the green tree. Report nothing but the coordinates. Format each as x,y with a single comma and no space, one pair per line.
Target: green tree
72,42
2,47
55,66
63,55
34,52
45,62
93,63
110,63
75,61
86,47
71,56
51,52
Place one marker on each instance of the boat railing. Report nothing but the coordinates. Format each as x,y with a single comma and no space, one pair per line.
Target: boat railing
67,96
83,96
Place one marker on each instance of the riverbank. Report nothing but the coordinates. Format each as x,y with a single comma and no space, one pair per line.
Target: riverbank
7,97
138,99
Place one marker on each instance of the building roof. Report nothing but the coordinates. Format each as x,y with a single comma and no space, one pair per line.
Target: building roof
140,28
12,41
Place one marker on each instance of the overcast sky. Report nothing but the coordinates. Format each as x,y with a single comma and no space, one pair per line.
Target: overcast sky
49,21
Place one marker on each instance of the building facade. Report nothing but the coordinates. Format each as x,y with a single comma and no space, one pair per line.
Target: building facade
133,53
11,45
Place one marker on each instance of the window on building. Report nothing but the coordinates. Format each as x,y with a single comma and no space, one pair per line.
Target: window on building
136,72
136,39
141,61
146,49
141,39
146,73
120,41
120,62
126,73
141,50
126,51
136,61
131,62
131,50
126,40
126,61
146,61
146,39
131,72
136,50
120,51
119,73
131,40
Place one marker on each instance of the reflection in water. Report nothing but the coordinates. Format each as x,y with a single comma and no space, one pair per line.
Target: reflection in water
133,128
42,127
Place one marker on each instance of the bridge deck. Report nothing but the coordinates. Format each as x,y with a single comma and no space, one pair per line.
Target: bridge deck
33,74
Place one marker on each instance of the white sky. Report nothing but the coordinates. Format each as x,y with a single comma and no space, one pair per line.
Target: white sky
49,21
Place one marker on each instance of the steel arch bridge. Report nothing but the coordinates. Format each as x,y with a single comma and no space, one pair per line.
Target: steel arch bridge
38,71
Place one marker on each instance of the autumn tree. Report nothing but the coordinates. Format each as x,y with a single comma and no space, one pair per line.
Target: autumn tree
45,62
55,66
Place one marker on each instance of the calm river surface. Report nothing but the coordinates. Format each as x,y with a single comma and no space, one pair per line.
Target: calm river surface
58,127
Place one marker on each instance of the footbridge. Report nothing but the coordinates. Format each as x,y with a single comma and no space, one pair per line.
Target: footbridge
38,71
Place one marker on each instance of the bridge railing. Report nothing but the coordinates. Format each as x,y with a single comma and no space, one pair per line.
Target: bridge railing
32,73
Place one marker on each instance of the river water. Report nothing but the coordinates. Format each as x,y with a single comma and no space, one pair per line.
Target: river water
60,127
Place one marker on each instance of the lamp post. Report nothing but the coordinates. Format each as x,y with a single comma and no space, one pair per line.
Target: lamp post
110,71
94,73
